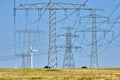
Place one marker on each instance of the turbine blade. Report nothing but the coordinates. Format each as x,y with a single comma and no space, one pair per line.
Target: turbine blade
30,47
35,50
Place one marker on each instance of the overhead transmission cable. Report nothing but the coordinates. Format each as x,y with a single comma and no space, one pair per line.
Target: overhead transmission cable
7,57
109,44
109,20
65,18
112,27
117,6
84,3
40,18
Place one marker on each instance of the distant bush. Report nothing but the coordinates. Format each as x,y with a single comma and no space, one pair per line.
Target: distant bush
47,67
84,67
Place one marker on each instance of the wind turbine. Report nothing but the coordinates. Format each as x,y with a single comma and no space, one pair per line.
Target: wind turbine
31,55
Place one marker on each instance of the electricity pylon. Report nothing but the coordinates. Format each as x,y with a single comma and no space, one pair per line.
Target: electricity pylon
27,57
52,7
68,61
94,30
23,55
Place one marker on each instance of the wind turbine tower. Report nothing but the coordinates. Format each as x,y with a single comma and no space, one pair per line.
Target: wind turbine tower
27,54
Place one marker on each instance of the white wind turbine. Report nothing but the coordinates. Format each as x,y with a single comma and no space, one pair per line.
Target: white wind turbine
31,55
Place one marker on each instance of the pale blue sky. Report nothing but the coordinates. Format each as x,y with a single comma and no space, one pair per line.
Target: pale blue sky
110,56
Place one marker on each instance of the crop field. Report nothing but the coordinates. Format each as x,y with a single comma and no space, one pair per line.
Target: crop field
60,74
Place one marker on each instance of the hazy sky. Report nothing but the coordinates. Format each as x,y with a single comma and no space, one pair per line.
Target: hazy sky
108,52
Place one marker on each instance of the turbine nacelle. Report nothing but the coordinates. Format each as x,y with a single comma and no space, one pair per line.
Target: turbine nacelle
33,50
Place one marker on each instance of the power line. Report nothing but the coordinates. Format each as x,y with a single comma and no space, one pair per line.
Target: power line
115,22
85,2
117,6
7,57
116,19
109,44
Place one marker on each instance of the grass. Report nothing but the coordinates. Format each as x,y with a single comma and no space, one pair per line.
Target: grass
60,74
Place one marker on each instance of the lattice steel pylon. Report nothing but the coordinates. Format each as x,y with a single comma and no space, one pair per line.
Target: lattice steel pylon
24,59
52,52
68,57
68,61
52,7
94,51
94,30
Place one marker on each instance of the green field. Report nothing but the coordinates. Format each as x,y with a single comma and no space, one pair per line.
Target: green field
60,74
